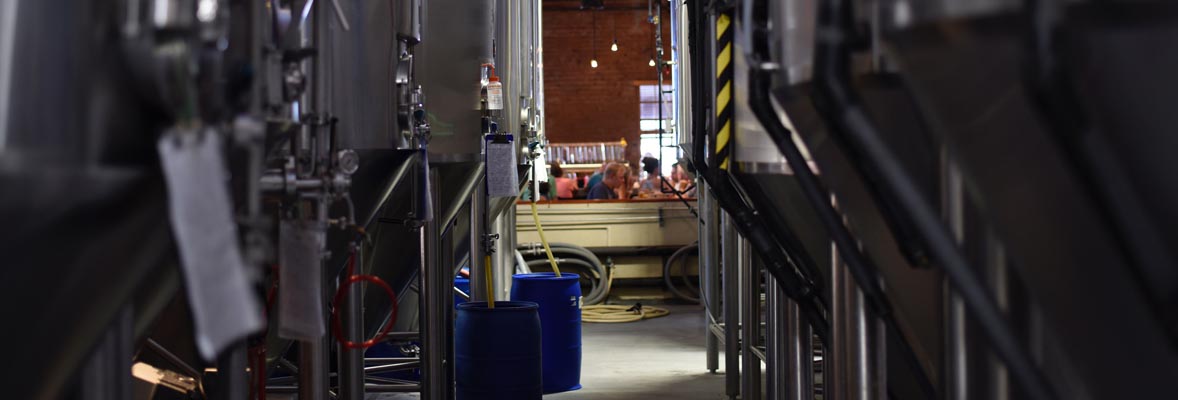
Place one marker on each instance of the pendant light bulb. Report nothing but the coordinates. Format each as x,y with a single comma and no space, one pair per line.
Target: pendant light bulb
593,63
614,46
651,63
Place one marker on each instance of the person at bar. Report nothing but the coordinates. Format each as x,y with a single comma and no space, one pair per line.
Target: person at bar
653,185
614,178
566,188
594,179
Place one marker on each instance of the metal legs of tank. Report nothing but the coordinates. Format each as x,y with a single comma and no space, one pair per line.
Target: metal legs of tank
436,311
789,355
776,342
731,308
709,272
478,272
351,361
750,324
314,359
503,261
855,367
799,353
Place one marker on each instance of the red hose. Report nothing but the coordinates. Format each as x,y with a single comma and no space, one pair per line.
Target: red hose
337,330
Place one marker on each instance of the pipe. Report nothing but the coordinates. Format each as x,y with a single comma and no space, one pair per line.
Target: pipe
776,357
599,290
477,247
409,21
667,272
528,248
458,292
730,242
544,241
389,187
400,366
376,360
598,269
840,107
709,272
371,387
799,355
351,359
521,265
504,264
750,324
435,287
172,358
315,355
469,185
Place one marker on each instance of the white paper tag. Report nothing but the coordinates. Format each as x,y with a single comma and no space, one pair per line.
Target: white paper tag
300,281
502,177
224,309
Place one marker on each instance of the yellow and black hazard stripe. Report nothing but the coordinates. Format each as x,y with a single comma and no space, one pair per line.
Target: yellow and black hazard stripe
724,96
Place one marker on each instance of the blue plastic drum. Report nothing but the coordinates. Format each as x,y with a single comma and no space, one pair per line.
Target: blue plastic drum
560,316
497,351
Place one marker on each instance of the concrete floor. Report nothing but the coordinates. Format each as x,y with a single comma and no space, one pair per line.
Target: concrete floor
660,358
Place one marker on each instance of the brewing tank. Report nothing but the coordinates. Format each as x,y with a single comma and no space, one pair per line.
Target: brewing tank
460,33
361,59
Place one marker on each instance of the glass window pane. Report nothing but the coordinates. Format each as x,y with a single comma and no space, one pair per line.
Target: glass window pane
649,144
649,111
650,93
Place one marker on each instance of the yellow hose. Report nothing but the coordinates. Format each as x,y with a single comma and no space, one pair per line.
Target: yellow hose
490,284
540,230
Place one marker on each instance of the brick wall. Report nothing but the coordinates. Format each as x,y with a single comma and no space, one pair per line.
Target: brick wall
585,104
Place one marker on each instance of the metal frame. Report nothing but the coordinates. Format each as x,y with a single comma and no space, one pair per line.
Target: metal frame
730,280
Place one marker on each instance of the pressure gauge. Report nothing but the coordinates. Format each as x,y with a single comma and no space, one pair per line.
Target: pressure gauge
348,160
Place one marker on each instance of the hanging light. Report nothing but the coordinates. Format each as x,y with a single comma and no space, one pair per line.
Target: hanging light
614,45
651,63
593,43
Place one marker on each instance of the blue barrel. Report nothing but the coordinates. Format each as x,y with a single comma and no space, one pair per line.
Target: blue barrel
462,284
560,316
497,351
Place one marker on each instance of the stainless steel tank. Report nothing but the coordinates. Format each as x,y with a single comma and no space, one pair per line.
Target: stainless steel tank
360,61
793,43
681,75
459,36
754,150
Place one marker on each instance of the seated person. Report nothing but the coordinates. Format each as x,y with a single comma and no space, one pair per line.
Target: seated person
593,180
653,185
566,188
613,179
683,180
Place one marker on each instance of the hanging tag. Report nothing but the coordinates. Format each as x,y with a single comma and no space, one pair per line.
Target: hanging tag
224,309
300,281
502,177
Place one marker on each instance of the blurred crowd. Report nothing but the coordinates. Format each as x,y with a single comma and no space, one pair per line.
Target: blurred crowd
615,180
